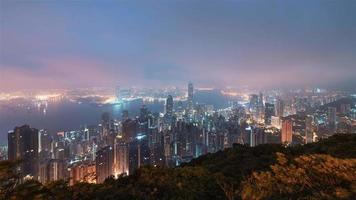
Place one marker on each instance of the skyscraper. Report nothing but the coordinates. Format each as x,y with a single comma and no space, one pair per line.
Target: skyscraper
190,97
179,110
309,129
105,123
139,153
143,114
156,147
279,107
44,144
129,128
345,108
276,122
52,170
261,109
287,131
121,157
269,112
331,117
23,145
104,163
169,106
82,172
254,106
251,137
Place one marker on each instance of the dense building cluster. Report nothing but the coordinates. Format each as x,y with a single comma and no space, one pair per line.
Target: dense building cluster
184,131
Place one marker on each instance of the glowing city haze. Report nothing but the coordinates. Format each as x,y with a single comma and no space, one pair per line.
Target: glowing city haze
63,44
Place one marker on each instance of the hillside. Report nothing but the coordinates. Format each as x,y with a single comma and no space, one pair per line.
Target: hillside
323,170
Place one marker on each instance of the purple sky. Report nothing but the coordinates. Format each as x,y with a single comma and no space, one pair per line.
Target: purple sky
62,44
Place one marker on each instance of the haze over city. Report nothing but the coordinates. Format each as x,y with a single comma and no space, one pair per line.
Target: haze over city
177,99
67,44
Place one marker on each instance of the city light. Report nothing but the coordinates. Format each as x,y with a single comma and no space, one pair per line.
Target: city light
177,99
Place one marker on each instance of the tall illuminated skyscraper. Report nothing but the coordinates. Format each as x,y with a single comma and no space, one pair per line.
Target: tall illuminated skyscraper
269,112
261,108
104,163
251,136
44,141
169,106
254,106
287,131
23,145
139,153
105,122
279,107
121,157
190,96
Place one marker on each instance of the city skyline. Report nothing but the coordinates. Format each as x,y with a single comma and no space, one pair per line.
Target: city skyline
177,99
166,133
274,44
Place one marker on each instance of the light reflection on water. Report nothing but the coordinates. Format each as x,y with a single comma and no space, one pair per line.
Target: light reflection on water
62,115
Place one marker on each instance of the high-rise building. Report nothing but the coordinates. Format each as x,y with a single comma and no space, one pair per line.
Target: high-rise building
261,109
144,114
105,125
251,137
279,107
261,136
82,172
309,132
52,170
190,97
45,141
345,108
104,163
331,117
169,106
23,145
129,127
156,146
276,122
254,106
121,158
287,131
179,110
269,112
353,113
43,172
139,153
92,131
167,145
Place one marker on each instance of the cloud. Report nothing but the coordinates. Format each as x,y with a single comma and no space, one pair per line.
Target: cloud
60,73
274,44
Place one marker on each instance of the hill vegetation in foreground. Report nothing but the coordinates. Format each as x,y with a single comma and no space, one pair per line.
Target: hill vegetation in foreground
322,170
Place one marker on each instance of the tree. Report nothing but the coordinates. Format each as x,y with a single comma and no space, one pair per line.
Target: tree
30,189
305,177
9,178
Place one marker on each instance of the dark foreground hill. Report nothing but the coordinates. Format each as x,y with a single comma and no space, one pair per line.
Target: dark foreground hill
322,170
